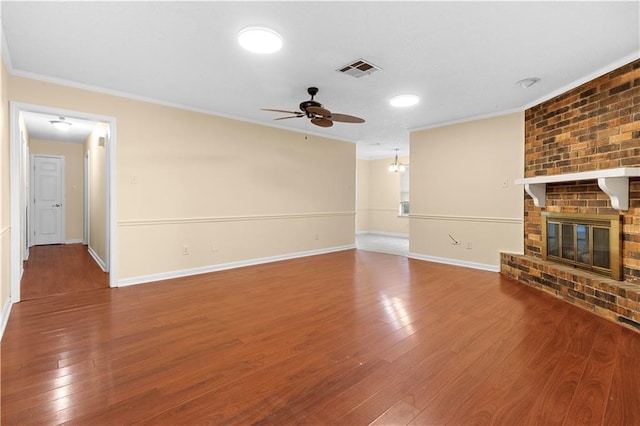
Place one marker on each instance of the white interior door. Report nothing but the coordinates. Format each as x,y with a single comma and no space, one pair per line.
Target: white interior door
48,189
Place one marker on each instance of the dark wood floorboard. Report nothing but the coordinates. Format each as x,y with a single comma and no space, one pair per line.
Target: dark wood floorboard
348,338
60,269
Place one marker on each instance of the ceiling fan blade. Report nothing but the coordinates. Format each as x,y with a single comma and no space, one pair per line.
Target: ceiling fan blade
319,111
344,118
291,116
282,110
322,122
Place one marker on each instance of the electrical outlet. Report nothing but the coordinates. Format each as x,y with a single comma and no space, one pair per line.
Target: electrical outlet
185,250
317,237
505,182
469,245
214,246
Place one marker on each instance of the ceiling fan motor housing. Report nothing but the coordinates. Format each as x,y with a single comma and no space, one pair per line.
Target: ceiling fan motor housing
306,104
311,103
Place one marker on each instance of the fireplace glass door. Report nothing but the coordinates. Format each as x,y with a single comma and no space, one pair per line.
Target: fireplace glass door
601,254
575,242
584,242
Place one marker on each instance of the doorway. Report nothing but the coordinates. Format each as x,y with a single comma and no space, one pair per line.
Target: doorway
52,222
380,243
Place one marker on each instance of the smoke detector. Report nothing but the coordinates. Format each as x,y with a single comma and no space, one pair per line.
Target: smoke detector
359,68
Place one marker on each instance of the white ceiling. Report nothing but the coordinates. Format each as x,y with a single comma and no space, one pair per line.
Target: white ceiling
462,58
39,127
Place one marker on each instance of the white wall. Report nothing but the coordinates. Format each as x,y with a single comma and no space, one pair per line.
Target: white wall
362,195
5,199
462,184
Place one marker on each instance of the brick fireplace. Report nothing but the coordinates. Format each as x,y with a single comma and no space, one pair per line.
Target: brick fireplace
594,127
589,242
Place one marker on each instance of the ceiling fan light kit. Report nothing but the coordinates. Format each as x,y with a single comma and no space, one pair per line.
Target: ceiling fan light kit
316,112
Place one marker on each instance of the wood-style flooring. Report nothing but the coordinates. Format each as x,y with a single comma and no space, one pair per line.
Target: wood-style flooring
60,269
348,338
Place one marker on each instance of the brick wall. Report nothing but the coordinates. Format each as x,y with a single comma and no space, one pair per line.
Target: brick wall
592,127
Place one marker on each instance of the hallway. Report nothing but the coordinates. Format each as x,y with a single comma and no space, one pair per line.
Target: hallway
59,269
383,244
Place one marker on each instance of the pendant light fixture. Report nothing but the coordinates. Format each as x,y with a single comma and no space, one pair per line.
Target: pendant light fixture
397,166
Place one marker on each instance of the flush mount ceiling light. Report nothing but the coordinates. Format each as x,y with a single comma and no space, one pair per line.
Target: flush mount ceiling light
402,101
528,82
397,166
260,40
61,124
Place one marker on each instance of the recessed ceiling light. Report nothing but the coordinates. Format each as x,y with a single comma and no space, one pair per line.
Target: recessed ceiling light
404,100
528,82
260,40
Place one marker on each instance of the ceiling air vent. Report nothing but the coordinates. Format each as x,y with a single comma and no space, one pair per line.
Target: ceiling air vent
359,68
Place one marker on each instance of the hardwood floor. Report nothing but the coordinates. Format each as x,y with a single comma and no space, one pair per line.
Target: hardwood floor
348,338
60,269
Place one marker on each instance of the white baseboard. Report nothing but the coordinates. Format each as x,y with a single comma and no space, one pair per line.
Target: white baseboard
4,316
76,241
99,261
387,234
455,262
213,268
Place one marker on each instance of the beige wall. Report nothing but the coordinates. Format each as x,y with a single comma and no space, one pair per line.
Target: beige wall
74,182
5,200
97,193
379,197
230,191
462,184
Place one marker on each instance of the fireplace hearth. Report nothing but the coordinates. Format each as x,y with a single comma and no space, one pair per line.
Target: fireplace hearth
589,242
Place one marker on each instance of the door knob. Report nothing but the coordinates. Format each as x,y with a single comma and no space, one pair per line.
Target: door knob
56,205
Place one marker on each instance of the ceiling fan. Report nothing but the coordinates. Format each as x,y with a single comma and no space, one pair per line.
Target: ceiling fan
319,115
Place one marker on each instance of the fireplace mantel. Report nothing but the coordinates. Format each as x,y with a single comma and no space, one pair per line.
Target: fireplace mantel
613,182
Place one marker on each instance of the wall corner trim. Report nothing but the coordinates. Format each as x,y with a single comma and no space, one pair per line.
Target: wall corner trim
95,256
455,262
224,266
4,316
